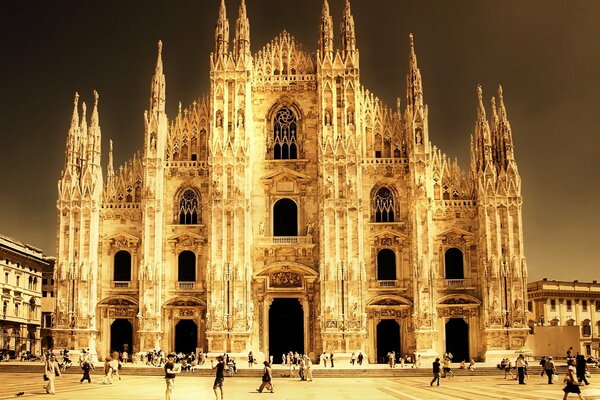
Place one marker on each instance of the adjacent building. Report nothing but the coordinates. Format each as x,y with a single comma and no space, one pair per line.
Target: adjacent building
22,267
560,304
291,209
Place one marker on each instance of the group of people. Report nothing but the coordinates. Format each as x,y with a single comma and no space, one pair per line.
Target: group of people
393,360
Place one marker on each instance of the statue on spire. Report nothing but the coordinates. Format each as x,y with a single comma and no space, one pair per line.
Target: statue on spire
326,34
222,33
347,31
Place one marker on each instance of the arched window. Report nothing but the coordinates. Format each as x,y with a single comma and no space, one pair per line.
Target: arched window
186,269
285,128
384,205
285,218
386,265
454,264
188,208
122,268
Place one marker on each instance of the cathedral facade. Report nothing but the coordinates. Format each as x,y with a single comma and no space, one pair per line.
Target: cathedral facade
290,209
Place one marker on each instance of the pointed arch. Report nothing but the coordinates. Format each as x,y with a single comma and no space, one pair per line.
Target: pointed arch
384,206
188,206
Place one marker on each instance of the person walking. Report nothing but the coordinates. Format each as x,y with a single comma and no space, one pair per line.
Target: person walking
508,368
331,359
250,360
571,383
115,365
543,363
549,369
360,358
170,370
108,375
308,364
86,366
353,358
51,371
581,368
267,377
436,372
219,377
521,365
447,369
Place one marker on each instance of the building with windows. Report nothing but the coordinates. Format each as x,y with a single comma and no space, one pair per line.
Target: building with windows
566,304
22,266
291,209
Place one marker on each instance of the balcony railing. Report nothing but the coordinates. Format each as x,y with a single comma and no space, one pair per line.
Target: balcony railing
121,284
287,240
387,283
399,284
458,283
185,285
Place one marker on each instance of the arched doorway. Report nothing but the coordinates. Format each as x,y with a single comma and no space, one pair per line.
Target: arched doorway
285,218
186,336
121,335
286,327
388,339
457,339
47,342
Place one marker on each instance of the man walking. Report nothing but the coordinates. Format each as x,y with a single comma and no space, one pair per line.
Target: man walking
549,369
220,376
436,372
86,366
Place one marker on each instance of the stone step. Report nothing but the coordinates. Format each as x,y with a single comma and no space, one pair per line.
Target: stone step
375,371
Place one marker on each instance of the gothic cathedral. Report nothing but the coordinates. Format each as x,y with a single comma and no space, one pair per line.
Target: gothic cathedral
290,209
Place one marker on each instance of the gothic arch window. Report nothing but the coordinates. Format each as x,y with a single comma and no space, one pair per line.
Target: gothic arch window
285,218
384,205
285,130
386,265
186,266
453,261
122,266
188,207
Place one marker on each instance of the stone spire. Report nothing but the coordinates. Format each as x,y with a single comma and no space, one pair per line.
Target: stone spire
95,136
242,34
326,34
347,31
72,135
158,91
504,130
414,86
110,170
221,33
483,142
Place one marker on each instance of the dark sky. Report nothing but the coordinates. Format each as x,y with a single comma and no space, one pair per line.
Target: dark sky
545,53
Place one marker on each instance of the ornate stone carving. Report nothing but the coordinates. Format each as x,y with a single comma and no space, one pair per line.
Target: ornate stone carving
285,280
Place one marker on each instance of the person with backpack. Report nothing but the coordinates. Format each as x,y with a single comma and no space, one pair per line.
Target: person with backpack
266,378
550,370
86,366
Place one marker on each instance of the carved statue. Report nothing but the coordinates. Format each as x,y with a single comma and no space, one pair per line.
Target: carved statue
309,228
261,228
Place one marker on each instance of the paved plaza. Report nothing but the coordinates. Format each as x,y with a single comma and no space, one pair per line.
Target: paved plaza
194,387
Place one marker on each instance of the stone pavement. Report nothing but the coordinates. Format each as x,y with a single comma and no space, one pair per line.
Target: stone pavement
194,387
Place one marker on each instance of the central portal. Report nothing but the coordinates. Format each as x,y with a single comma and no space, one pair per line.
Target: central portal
286,327
186,336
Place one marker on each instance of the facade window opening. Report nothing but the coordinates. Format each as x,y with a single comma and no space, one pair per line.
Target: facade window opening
285,218
384,205
285,130
569,305
188,208
122,267
386,265
186,267
453,259
553,305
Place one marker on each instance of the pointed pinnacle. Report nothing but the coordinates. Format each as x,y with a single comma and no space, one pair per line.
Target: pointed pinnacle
222,10
325,9
75,117
242,9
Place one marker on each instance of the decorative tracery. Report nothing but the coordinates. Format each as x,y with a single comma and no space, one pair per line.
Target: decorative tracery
384,205
285,129
188,208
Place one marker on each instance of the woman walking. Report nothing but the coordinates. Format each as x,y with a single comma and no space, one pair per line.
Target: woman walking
266,378
51,371
572,384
